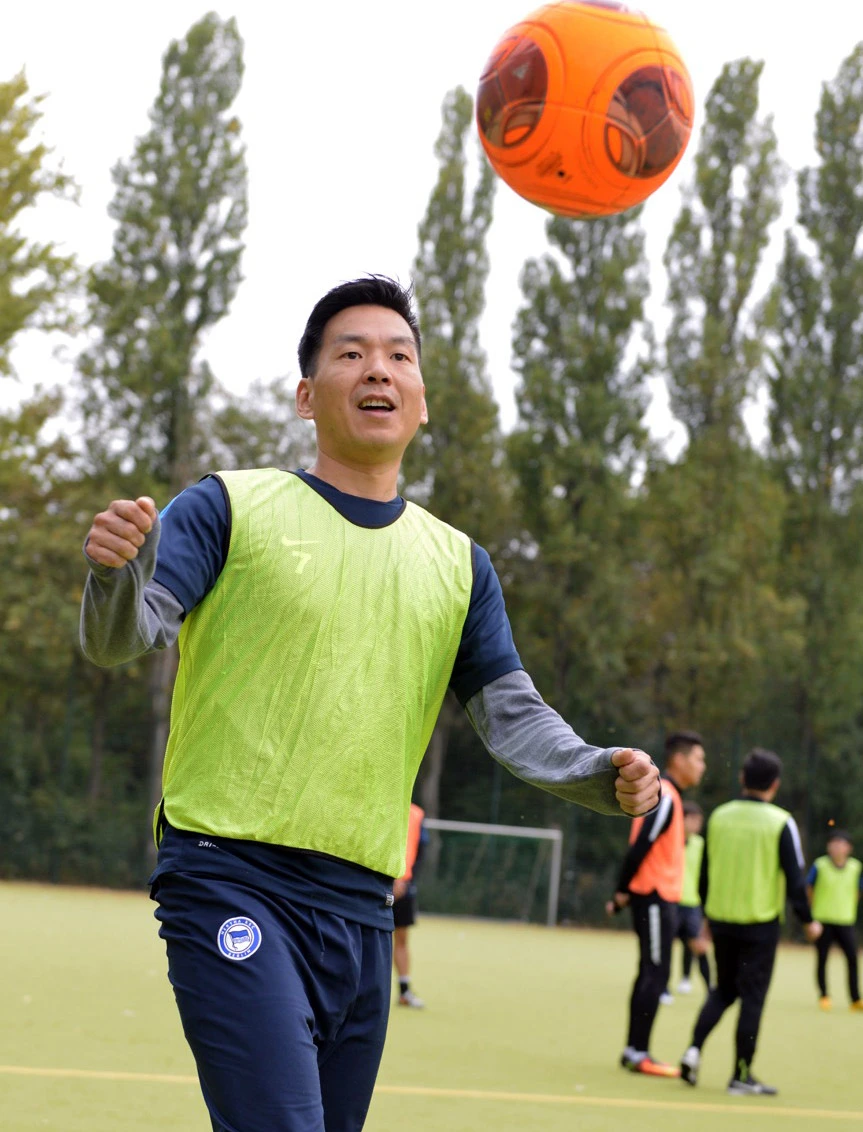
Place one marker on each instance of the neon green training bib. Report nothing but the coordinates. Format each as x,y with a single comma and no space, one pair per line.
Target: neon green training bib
835,892
313,672
692,855
746,884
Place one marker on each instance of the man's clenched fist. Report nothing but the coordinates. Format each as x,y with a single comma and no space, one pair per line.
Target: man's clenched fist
637,785
118,533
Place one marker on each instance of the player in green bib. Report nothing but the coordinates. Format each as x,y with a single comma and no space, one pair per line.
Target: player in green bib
690,915
833,885
752,863
321,619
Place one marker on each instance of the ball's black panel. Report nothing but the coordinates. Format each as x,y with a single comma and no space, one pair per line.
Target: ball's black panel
512,95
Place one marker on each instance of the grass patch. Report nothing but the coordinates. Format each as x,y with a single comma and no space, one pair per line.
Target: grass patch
522,1031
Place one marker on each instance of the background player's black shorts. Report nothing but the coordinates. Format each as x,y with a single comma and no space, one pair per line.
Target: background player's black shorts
405,911
689,921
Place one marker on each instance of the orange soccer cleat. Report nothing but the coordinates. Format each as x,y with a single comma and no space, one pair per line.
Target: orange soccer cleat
644,1063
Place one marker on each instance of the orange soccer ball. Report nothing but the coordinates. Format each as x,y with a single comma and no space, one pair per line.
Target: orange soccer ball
585,107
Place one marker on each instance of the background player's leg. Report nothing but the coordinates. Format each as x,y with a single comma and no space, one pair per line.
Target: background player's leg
350,1057
652,973
248,1020
754,974
691,921
401,956
822,950
725,951
404,917
846,939
655,921
687,961
704,968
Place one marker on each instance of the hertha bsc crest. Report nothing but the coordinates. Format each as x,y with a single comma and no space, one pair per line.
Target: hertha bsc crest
239,938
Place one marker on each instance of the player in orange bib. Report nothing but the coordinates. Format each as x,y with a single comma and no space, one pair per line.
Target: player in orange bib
405,907
651,884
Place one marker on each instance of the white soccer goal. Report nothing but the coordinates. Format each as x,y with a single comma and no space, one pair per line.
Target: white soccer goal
531,878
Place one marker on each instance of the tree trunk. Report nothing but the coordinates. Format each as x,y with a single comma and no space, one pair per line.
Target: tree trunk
97,735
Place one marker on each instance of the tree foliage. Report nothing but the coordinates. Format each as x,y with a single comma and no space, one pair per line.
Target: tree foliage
574,451
713,519
451,466
257,429
713,255
180,207
815,376
36,280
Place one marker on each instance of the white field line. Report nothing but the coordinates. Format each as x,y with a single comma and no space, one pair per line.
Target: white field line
764,1107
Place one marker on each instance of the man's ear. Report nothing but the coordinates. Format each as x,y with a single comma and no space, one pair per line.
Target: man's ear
305,399
424,412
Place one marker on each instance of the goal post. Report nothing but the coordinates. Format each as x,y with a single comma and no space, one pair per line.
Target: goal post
541,835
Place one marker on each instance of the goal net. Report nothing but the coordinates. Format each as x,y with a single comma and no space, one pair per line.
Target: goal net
500,871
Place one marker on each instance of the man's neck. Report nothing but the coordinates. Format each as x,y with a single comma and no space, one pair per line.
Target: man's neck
378,482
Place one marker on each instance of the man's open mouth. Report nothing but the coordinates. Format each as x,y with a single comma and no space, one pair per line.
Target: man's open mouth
375,404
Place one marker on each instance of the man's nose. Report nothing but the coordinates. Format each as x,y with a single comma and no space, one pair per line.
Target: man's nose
377,370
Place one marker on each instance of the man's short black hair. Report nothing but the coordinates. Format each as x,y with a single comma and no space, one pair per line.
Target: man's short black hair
690,808
761,768
682,742
370,291
839,835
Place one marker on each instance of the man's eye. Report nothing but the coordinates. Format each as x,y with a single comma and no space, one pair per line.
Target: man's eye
351,354
402,357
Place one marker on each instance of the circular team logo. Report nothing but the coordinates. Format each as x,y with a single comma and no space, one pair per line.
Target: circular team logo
239,938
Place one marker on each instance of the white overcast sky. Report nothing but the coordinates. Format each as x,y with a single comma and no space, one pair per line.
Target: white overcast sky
340,109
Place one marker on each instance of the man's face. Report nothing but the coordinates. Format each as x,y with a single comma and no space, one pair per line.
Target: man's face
839,850
688,769
366,397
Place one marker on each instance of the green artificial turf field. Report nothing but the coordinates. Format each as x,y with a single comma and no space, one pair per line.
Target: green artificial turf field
522,1032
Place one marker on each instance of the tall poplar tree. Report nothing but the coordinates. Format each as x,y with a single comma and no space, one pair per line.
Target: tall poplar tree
454,465
713,518
815,372
36,280
180,207
713,254
450,465
574,452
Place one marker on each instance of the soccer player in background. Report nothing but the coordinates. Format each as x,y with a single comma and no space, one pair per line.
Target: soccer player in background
833,886
651,884
752,859
320,620
405,907
690,914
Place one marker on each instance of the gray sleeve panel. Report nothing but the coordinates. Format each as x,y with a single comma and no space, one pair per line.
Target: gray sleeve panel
125,614
533,742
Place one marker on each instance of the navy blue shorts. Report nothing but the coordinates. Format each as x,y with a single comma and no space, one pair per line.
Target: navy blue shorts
285,1006
689,921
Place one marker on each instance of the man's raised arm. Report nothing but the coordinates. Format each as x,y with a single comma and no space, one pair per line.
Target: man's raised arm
123,612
